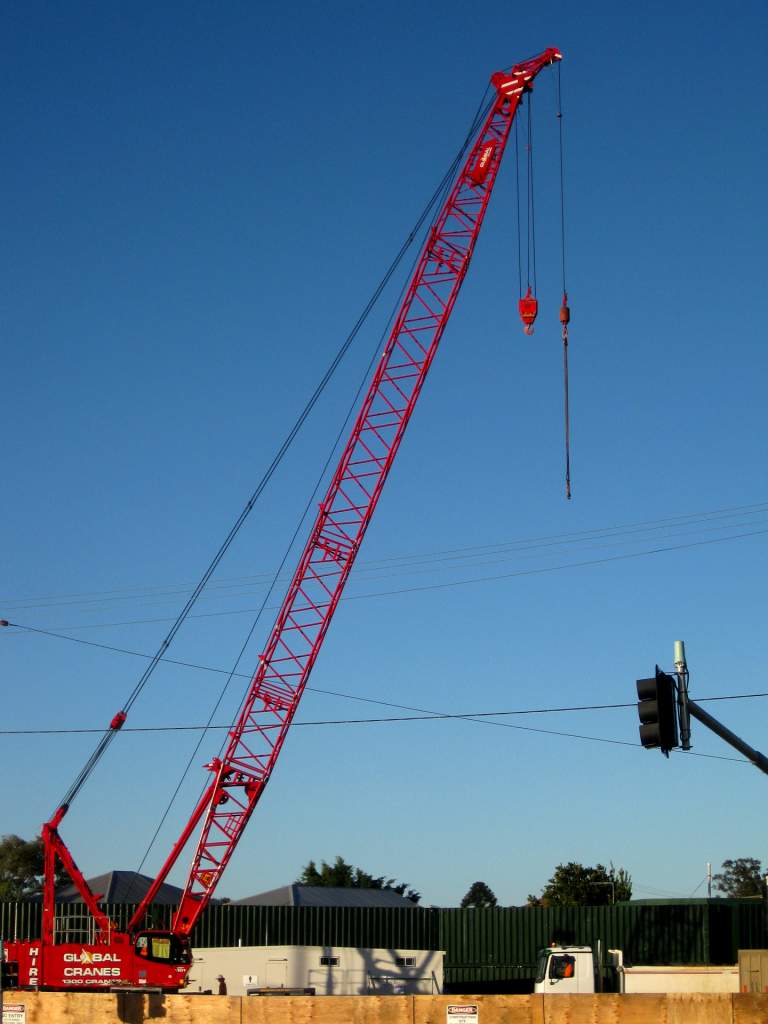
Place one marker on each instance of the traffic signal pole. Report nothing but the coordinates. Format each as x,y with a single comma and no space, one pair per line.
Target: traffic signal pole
683,715
758,760
661,715
686,707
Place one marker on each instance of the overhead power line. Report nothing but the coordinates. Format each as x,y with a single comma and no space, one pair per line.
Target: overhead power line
434,558
317,689
409,718
480,717
447,585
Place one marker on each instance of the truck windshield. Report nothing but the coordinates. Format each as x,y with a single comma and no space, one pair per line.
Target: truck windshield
541,966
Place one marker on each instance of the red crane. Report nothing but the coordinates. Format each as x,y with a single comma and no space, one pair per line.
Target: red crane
146,957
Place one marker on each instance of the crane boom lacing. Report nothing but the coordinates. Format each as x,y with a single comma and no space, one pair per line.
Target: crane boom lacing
312,597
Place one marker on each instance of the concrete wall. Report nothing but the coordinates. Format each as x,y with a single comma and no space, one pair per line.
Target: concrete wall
82,1008
358,972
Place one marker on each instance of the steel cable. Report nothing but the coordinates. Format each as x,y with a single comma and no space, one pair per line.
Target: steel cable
110,733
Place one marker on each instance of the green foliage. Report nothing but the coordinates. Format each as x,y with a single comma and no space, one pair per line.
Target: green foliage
741,878
345,876
21,867
622,880
479,895
574,885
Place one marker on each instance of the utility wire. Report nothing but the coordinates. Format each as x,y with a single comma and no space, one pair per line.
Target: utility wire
697,887
424,716
653,891
490,558
536,571
314,689
484,714
482,717
371,565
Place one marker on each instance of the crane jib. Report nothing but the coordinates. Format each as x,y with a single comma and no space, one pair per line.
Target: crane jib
314,592
238,778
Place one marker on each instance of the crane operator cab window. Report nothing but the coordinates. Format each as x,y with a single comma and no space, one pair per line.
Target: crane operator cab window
163,947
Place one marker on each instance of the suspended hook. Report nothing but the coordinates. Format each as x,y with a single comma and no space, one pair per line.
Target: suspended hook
529,308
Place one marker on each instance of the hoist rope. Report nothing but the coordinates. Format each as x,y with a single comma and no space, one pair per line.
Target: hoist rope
531,208
567,415
436,200
559,115
565,313
517,205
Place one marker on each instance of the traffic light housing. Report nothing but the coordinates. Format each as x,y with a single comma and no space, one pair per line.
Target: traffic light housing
657,709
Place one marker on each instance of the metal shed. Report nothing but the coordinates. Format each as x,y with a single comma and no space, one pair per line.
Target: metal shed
327,970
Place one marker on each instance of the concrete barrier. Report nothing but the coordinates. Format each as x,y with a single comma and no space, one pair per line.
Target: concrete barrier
141,1008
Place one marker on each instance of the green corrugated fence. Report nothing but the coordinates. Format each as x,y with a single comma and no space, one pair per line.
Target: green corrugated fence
480,945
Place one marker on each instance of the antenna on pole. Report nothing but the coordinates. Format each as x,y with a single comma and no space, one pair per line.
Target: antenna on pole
684,718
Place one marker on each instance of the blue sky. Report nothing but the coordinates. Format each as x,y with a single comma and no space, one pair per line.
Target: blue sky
198,201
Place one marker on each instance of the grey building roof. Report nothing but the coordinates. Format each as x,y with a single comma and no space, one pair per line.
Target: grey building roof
325,896
120,887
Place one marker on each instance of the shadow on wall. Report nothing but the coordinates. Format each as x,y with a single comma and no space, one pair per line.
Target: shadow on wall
412,979
138,1007
369,975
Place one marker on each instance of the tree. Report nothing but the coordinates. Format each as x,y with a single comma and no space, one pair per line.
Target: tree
479,895
21,867
345,876
574,885
741,878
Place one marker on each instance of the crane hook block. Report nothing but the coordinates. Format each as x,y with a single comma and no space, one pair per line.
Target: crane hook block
565,311
529,307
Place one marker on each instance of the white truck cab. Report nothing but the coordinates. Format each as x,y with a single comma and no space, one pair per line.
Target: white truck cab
561,970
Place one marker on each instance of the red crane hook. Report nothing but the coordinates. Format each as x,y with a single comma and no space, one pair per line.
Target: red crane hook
529,307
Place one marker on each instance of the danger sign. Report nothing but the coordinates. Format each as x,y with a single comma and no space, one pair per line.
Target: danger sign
14,1013
462,1014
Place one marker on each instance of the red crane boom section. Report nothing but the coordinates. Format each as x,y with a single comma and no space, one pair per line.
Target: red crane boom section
257,737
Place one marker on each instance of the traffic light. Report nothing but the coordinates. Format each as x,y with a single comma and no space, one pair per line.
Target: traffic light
657,709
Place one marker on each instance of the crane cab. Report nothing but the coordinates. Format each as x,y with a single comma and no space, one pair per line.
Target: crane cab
161,959
162,947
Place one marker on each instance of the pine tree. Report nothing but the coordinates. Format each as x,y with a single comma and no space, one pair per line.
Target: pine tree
479,895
